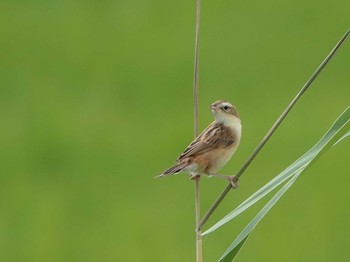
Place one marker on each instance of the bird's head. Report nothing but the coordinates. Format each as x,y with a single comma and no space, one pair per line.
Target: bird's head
224,111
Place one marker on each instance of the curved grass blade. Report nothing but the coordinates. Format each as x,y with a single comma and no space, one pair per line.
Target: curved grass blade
231,256
338,131
237,244
343,137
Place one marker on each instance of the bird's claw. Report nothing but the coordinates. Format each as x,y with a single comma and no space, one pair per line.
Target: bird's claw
194,177
233,181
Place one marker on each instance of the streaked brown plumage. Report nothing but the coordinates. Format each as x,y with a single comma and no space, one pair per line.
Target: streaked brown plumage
214,147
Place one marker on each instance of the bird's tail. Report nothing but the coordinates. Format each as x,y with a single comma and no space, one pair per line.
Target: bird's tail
173,170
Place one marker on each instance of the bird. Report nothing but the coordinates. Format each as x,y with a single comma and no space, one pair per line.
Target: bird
213,148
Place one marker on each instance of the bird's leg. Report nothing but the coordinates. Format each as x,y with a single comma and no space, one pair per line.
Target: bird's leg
232,179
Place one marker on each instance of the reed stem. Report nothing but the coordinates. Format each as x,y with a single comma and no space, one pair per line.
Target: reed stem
199,251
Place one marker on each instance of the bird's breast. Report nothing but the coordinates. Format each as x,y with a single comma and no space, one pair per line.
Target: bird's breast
221,157
211,162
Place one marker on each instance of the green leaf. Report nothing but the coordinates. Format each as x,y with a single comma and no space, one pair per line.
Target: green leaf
231,256
237,244
343,137
339,130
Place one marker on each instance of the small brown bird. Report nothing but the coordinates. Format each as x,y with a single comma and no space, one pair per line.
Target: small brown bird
214,147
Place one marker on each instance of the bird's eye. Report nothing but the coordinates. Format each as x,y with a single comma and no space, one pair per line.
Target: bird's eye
226,108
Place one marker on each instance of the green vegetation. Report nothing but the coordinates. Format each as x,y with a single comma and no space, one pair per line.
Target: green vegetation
96,99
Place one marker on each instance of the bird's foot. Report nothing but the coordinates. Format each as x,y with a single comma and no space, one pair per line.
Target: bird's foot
194,177
233,181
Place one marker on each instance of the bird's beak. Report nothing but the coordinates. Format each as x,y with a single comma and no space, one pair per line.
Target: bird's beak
213,107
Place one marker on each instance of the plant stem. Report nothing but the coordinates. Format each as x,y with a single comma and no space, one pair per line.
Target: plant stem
199,257
273,128
198,218
196,69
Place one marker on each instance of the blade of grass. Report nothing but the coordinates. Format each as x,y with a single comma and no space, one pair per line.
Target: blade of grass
231,256
339,130
343,137
237,244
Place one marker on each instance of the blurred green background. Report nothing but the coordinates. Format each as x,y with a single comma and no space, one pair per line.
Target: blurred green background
96,99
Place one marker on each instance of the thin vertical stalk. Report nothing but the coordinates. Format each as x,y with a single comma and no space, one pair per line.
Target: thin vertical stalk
199,256
196,69
199,251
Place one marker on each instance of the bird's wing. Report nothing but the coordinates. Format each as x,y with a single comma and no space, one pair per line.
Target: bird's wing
214,136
